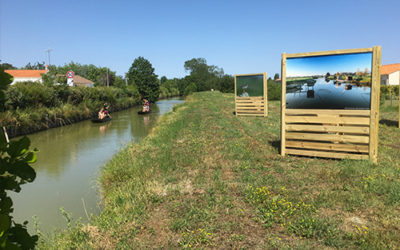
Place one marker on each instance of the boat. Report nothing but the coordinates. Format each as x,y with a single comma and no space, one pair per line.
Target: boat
105,119
143,113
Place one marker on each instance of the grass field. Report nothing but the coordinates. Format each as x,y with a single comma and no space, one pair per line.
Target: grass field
205,178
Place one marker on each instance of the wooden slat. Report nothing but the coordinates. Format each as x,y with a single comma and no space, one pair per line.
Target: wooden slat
327,119
327,112
325,154
251,98
254,74
331,52
328,137
327,128
250,108
328,146
250,102
245,114
251,111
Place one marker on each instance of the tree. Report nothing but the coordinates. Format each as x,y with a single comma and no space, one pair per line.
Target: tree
37,65
119,82
204,76
163,80
142,73
276,76
7,66
5,81
227,84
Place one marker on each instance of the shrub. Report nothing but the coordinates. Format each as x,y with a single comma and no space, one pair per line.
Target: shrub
274,90
190,89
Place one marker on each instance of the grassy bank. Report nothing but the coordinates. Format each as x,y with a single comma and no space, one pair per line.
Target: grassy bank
205,178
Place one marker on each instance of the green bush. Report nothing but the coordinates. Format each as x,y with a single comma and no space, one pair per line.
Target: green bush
15,170
190,88
274,90
386,90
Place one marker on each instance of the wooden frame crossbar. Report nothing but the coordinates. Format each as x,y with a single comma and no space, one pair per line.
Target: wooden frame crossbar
254,105
332,133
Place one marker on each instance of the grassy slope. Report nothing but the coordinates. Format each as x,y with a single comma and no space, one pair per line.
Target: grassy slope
207,178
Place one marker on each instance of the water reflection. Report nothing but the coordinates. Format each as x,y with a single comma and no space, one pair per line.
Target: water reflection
69,160
323,93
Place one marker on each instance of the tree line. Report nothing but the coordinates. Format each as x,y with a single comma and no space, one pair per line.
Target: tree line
141,75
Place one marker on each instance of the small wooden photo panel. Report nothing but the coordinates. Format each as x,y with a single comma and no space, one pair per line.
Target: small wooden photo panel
251,97
330,103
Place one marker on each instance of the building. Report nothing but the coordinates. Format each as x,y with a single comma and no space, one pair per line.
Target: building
390,74
23,75
81,81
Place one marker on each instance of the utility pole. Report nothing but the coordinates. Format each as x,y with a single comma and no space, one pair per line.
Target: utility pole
107,78
48,54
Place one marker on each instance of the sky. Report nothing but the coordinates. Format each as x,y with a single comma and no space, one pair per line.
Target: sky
320,65
239,36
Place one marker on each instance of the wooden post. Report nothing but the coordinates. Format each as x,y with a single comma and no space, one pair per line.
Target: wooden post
236,114
375,89
283,104
265,95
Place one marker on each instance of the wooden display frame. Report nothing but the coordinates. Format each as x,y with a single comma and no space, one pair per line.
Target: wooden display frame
332,133
252,106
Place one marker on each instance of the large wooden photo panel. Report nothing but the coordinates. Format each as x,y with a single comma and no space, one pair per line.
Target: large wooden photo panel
251,95
330,103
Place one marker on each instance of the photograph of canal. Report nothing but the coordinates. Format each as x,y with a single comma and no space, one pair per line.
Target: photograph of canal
250,85
329,82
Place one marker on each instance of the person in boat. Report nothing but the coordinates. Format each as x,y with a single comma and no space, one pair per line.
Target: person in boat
146,106
103,113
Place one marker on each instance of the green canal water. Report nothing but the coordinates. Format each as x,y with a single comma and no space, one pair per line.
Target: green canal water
69,162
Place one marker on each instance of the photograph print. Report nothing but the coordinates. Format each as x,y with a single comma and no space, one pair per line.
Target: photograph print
329,82
250,85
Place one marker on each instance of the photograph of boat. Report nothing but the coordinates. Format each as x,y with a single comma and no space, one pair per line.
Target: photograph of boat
329,82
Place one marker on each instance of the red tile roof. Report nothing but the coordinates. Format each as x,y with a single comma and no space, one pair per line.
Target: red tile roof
25,72
390,68
81,80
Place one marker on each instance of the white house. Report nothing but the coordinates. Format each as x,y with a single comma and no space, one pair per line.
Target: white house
23,75
390,74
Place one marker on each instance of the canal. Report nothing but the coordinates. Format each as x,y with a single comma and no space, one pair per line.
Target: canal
69,162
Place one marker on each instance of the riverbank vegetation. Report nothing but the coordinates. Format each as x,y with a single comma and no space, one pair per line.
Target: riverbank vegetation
32,106
206,178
